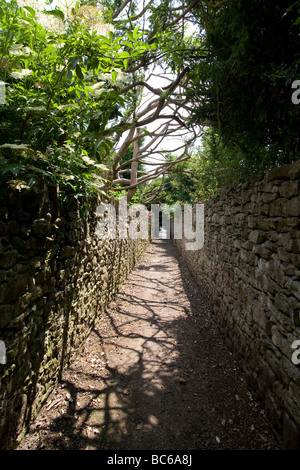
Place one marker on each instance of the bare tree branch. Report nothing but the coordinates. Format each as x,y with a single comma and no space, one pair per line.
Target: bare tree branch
161,169
121,7
134,170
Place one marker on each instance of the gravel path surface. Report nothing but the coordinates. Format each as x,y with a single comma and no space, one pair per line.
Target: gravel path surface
154,374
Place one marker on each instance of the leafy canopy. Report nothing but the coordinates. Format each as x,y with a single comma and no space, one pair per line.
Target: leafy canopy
253,52
73,82
80,102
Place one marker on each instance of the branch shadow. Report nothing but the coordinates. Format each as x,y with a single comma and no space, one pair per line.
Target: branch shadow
159,376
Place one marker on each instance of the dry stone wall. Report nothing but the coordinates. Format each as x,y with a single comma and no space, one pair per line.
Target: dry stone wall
56,278
249,272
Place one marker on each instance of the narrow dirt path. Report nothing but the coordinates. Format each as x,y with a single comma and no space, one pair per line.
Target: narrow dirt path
153,375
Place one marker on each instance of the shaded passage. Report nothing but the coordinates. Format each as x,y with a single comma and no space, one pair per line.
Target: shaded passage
154,374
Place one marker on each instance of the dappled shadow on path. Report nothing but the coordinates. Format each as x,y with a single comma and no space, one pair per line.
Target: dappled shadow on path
155,374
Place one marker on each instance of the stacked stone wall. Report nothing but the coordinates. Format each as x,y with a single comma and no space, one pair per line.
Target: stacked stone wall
249,272
56,278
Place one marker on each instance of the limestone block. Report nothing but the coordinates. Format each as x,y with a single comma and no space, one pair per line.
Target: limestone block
20,244
295,259
41,227
282,340
294,392
293,287
6,313
294,170
8,258
272,269
281,173
276,365
13,228
3,228
268,197
279,207
271,187
291,433
257,236
66,252
293,207
262,251
289,189
13,288
291,242
285,224
259,315
291,370
261,223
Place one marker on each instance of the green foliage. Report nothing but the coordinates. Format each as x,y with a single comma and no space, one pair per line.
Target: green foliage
128,155
71,90
213,167
244,84
77,175
175,186
216,165
63,96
